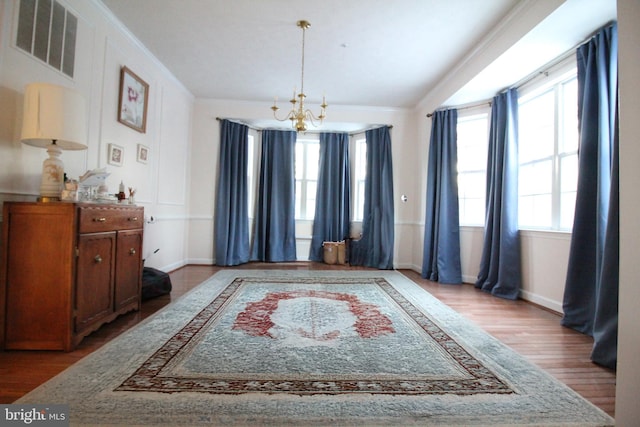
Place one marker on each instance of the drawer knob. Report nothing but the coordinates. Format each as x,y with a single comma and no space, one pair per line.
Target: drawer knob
101,219
97,259
135,218
132,251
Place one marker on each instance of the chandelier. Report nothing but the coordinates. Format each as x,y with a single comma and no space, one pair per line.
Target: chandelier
298,115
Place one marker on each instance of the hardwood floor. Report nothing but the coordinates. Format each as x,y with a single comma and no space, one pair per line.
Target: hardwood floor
531,331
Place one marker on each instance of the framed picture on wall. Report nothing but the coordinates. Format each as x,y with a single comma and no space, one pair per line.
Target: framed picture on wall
133,98
143,153
116,155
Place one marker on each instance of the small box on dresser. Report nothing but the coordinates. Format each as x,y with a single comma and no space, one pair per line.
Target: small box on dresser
67,269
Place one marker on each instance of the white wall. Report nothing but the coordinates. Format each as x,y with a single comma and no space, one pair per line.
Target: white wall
628,374
102,48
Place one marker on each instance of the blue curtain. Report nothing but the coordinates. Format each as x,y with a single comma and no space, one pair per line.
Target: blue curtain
231,224
591,289
500,269
441,255
274,237
331,220
375,248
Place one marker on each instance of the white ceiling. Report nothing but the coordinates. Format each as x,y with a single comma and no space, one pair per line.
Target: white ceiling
358,52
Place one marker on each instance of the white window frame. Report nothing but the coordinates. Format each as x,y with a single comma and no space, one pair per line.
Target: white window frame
358,176
304,142
253,157
551,81
469,114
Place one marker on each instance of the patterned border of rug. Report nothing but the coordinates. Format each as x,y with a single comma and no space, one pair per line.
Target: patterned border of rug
314,348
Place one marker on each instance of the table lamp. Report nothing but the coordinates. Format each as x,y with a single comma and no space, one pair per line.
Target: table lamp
55,119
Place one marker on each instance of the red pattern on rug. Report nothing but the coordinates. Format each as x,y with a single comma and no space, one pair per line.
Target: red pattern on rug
256,319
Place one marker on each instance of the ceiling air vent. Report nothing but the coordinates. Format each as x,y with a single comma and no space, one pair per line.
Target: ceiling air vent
48,31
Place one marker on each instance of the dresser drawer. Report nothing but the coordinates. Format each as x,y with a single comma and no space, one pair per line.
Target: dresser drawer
95,219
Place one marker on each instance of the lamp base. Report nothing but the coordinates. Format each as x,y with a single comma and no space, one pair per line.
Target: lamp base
52,174
48,199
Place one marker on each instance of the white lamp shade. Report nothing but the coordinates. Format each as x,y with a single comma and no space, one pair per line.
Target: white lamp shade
54,113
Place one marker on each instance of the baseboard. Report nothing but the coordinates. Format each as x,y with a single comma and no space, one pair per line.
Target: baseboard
200,261
469,279
172,266
407,266
547,303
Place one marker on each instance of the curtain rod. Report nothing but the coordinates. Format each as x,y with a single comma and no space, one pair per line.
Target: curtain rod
464,107
358,132
309,131
240,122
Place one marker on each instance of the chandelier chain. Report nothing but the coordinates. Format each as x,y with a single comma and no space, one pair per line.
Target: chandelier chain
302,73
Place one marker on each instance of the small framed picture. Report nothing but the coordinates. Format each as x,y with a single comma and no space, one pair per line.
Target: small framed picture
132,103
116,155
143,153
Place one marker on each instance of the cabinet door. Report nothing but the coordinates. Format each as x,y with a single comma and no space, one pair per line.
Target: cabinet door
37,280
128,270
95,278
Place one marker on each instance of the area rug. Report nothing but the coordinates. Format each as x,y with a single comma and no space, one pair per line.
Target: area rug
311,348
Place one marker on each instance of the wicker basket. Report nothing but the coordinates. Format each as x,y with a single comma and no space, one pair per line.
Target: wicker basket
334,252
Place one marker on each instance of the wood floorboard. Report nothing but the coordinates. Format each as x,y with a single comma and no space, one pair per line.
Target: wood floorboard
531,331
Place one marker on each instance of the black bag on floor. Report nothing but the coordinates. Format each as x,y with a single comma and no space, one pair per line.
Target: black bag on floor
154,283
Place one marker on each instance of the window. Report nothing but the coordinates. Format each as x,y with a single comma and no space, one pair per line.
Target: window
306,167
360,168
548,154
251,174
473,137
48,31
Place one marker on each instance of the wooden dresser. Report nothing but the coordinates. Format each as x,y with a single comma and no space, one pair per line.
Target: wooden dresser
67,269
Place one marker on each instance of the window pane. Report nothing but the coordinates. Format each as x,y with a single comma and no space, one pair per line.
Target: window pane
359,207
299,166
473,210
535,211
471,185
567,210
306,172
361,159
310,208
535,190
360,172
472,143
536,127
569,185
298,199
250,184
569,141
569,173
536,178
313,158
